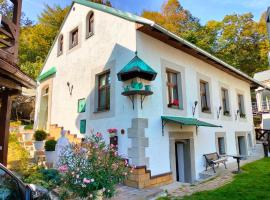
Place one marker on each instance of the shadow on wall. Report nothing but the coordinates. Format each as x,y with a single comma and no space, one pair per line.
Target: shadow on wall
88,108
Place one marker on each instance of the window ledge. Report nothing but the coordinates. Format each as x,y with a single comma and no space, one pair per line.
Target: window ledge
207,112
89,35
101,111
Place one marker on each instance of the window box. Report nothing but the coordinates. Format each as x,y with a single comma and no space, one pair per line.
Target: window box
206,109
226,113
242,115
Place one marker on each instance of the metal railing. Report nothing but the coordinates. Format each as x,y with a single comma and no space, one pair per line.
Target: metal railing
263,107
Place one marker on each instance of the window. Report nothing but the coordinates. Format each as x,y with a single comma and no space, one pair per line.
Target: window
205,98
9,188
172,85
90,24
81,105
221,146
74,35
104,91
241,107
225,101
60,45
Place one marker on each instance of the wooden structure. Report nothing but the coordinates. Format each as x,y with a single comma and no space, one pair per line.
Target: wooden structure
11,78
263,135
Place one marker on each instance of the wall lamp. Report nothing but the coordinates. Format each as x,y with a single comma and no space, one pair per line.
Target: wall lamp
218,112
70,88
194,108
237,113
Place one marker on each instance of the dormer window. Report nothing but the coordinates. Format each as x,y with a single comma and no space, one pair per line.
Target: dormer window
74,38
60,45
90,24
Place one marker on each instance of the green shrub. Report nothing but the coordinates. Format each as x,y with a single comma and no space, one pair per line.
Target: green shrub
28,127
40,135
48,178
50,145
18,157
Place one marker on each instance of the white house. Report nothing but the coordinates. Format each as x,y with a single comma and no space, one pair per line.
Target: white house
171,101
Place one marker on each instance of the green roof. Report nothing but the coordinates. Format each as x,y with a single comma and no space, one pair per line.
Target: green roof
125,15
187,121
137,68
47,74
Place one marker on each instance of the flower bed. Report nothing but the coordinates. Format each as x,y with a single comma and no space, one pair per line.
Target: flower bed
92,168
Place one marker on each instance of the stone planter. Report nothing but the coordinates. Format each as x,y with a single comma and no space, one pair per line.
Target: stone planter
27,136
50,156
39,145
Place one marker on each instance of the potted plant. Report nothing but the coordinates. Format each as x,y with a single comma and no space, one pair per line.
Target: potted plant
242,115
226,113
112,132
28,132
39,137
50,150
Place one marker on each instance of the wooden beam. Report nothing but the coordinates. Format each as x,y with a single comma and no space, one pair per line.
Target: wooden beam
4,126
5,42
9,84
5,32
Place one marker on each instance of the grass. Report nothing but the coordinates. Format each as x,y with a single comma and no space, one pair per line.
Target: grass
253,184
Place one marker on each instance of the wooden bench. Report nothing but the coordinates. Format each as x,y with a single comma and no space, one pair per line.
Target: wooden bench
213,159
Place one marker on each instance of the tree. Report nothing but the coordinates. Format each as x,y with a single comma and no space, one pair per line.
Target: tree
237,40
36,40
176,19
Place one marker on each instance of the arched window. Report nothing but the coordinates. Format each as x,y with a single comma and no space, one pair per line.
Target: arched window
60,45
90,25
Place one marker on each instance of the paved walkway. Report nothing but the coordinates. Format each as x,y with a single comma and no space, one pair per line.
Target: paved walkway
177,189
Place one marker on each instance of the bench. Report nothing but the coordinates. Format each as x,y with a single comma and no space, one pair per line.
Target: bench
213,159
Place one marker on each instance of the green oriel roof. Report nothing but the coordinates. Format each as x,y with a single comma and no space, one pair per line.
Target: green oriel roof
187,121
136,68
47,74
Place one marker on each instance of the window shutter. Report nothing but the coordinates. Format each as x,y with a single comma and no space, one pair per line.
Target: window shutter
83,126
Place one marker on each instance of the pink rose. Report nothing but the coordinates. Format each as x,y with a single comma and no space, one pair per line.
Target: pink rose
86,181
63,169
99,135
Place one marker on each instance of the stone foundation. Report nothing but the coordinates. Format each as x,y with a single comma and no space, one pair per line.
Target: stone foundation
141,178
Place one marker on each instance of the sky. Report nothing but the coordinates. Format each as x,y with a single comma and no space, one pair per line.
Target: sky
205,10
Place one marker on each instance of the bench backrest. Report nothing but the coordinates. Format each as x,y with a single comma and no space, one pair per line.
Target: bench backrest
211,156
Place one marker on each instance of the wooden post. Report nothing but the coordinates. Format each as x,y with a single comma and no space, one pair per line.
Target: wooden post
5,110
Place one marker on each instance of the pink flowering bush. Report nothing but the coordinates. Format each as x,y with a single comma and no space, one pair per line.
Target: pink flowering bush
92,167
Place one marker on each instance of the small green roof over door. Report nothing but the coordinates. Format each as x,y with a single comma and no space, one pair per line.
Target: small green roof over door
187,121
137,68
47,74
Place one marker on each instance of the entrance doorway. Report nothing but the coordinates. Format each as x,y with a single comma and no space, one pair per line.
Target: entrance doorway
183,161
242,150
43,110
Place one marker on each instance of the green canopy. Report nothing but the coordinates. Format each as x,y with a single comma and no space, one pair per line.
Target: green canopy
47,74
136,68
187,121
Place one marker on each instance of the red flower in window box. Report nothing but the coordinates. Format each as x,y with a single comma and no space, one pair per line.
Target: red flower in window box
175,102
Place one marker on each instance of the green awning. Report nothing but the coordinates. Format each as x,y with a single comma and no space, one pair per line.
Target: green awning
136,68
47,74
187,121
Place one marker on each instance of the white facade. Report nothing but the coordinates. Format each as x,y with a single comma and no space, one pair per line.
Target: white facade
110,48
